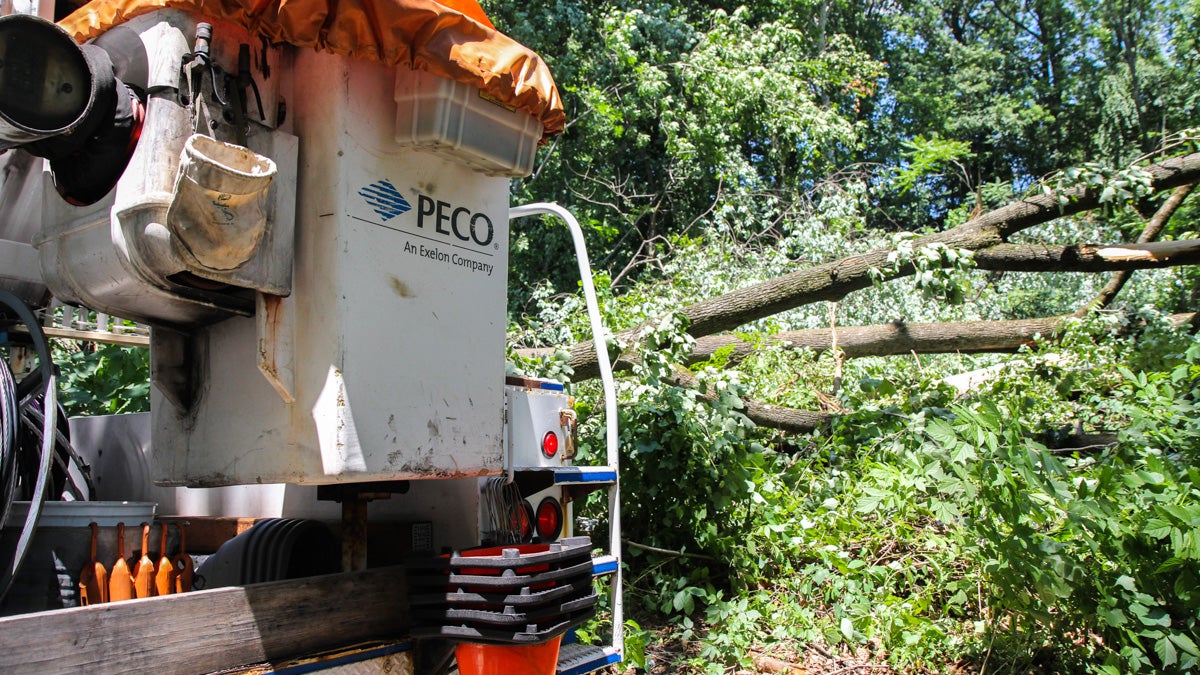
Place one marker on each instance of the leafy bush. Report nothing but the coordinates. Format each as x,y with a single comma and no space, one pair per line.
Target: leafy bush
929,527
104,379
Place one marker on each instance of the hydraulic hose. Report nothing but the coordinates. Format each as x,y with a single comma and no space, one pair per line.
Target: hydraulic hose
9,422
8,570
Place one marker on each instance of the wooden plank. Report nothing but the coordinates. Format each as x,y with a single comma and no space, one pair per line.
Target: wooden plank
127,339
205,631
205,534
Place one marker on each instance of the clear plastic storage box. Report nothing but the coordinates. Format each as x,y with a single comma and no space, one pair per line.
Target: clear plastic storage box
455,120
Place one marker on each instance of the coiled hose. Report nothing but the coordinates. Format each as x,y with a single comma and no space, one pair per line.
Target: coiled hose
10,461
8,441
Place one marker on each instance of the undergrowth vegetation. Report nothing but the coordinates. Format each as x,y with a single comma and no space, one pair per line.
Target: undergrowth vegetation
933,526
937,518
930,524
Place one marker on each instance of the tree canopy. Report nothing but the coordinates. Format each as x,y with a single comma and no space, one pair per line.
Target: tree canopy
903,115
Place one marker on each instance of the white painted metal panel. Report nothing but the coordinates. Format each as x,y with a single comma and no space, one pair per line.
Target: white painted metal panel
533,413
392,341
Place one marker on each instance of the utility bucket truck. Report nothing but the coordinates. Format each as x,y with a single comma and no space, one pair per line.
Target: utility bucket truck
307,203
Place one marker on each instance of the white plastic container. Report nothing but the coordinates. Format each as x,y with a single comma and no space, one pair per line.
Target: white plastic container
457,121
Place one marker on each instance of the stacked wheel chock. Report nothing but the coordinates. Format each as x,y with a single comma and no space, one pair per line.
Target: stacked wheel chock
507,606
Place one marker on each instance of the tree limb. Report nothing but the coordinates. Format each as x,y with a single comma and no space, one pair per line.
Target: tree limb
666,551
834,280
1155,226
774,417
889,339
892,338
1088,257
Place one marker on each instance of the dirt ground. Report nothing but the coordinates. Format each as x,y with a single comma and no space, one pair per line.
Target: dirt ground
808,664
667,656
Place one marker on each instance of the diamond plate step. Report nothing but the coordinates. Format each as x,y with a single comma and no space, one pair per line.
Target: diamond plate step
577,659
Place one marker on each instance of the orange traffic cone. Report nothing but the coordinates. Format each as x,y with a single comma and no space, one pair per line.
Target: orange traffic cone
477,659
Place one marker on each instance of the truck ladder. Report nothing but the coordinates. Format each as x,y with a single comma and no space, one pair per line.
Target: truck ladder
578,659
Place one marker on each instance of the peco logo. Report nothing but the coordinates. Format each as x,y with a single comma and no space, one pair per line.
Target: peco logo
474,231
456,221
384,199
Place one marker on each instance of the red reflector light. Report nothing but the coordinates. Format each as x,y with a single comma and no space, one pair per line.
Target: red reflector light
523,521
550,444
549,519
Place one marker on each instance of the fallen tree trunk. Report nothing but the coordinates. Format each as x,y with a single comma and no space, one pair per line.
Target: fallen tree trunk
1153,228
770,416
962,337
986,235
890,339
1088,257
898,337
834,280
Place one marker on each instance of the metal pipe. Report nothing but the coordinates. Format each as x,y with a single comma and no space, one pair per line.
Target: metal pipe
46,82
610,397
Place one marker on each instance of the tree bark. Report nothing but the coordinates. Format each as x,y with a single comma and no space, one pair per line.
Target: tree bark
898,337
1088,257
834,280
962,337
772,416
1153,228
891,339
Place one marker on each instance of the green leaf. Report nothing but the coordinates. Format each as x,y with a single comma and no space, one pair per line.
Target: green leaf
1185,643
1166,651
941,431
1155,616
1157,528
1113,617
684,601
869,502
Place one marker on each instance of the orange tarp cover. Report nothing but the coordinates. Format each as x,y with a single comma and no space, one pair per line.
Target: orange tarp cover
454,40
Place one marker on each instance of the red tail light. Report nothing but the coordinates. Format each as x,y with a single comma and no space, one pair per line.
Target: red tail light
549,519
550,444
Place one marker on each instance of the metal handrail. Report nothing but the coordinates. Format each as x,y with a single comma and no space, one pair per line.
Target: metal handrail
610,397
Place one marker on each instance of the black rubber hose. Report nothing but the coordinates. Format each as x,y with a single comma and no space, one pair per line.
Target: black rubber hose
8,572
9,423
64,455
